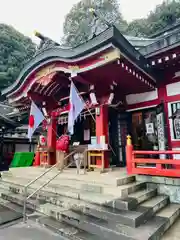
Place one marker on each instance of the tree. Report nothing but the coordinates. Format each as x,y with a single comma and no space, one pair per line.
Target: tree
80,25
138,28
164,14
15,50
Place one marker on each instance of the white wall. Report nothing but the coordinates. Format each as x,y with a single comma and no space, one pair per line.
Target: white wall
176,156
24,147
173,89
141,97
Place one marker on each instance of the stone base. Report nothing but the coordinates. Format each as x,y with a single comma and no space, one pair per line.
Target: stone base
164,185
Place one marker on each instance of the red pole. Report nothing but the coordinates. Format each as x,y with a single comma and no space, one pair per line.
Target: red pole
51,141
37,159
102,130
129,155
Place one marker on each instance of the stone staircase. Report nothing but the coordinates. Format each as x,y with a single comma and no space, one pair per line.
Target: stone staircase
92,206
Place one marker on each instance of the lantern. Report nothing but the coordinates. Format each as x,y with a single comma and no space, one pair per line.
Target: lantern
42,140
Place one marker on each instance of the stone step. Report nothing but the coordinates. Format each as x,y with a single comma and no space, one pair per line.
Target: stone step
8,214
130,218
14,206
173,233
172,212
156,203
133,199
16,186
126,217
67,230
128,203
120,191
143,195
18,201
11,206
70,191
151,230
116,179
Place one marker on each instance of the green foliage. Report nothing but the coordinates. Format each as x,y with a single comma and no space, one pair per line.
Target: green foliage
138,28
80,25
15,50
164,14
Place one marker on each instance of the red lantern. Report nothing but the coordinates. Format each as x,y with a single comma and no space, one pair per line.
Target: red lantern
31,121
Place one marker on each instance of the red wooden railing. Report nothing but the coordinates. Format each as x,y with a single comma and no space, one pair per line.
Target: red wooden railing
161,167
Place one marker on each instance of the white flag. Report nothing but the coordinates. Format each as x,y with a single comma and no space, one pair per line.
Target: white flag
35,118
76,106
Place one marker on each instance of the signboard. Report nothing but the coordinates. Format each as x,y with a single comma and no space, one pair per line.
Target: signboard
150,128
177,127
87,135
161,134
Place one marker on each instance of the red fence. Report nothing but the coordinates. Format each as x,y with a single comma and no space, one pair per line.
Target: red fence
138,162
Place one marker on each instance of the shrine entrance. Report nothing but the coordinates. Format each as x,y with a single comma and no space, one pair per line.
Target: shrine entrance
104,74
118,130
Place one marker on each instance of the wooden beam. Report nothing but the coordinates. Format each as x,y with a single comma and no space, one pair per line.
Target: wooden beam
51,103
38,97
80,79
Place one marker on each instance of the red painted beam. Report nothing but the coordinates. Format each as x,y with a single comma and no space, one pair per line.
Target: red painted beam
173,98
175,144
156,152
157,172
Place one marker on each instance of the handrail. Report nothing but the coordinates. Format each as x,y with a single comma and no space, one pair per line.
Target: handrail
136,162
169,152
42,186
48,170
161,167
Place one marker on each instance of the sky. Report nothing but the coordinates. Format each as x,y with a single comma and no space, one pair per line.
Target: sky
47,16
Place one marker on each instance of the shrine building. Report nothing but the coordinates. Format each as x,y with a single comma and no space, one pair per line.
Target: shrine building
130,85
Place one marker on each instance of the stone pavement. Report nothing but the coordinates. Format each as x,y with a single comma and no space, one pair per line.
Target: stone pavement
34,231
29,231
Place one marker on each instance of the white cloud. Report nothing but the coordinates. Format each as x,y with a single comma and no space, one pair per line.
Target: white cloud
47,16
133,9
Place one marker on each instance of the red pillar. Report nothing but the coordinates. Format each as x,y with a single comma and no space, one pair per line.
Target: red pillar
102,129
102,123
51,141
129,156
37,161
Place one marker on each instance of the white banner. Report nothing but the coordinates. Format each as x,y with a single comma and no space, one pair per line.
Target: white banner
161,134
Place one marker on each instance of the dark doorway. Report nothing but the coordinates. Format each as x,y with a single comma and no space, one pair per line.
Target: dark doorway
118,131
144,129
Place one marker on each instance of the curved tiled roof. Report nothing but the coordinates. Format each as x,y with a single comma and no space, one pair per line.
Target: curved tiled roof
139,42
111,36
4,111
